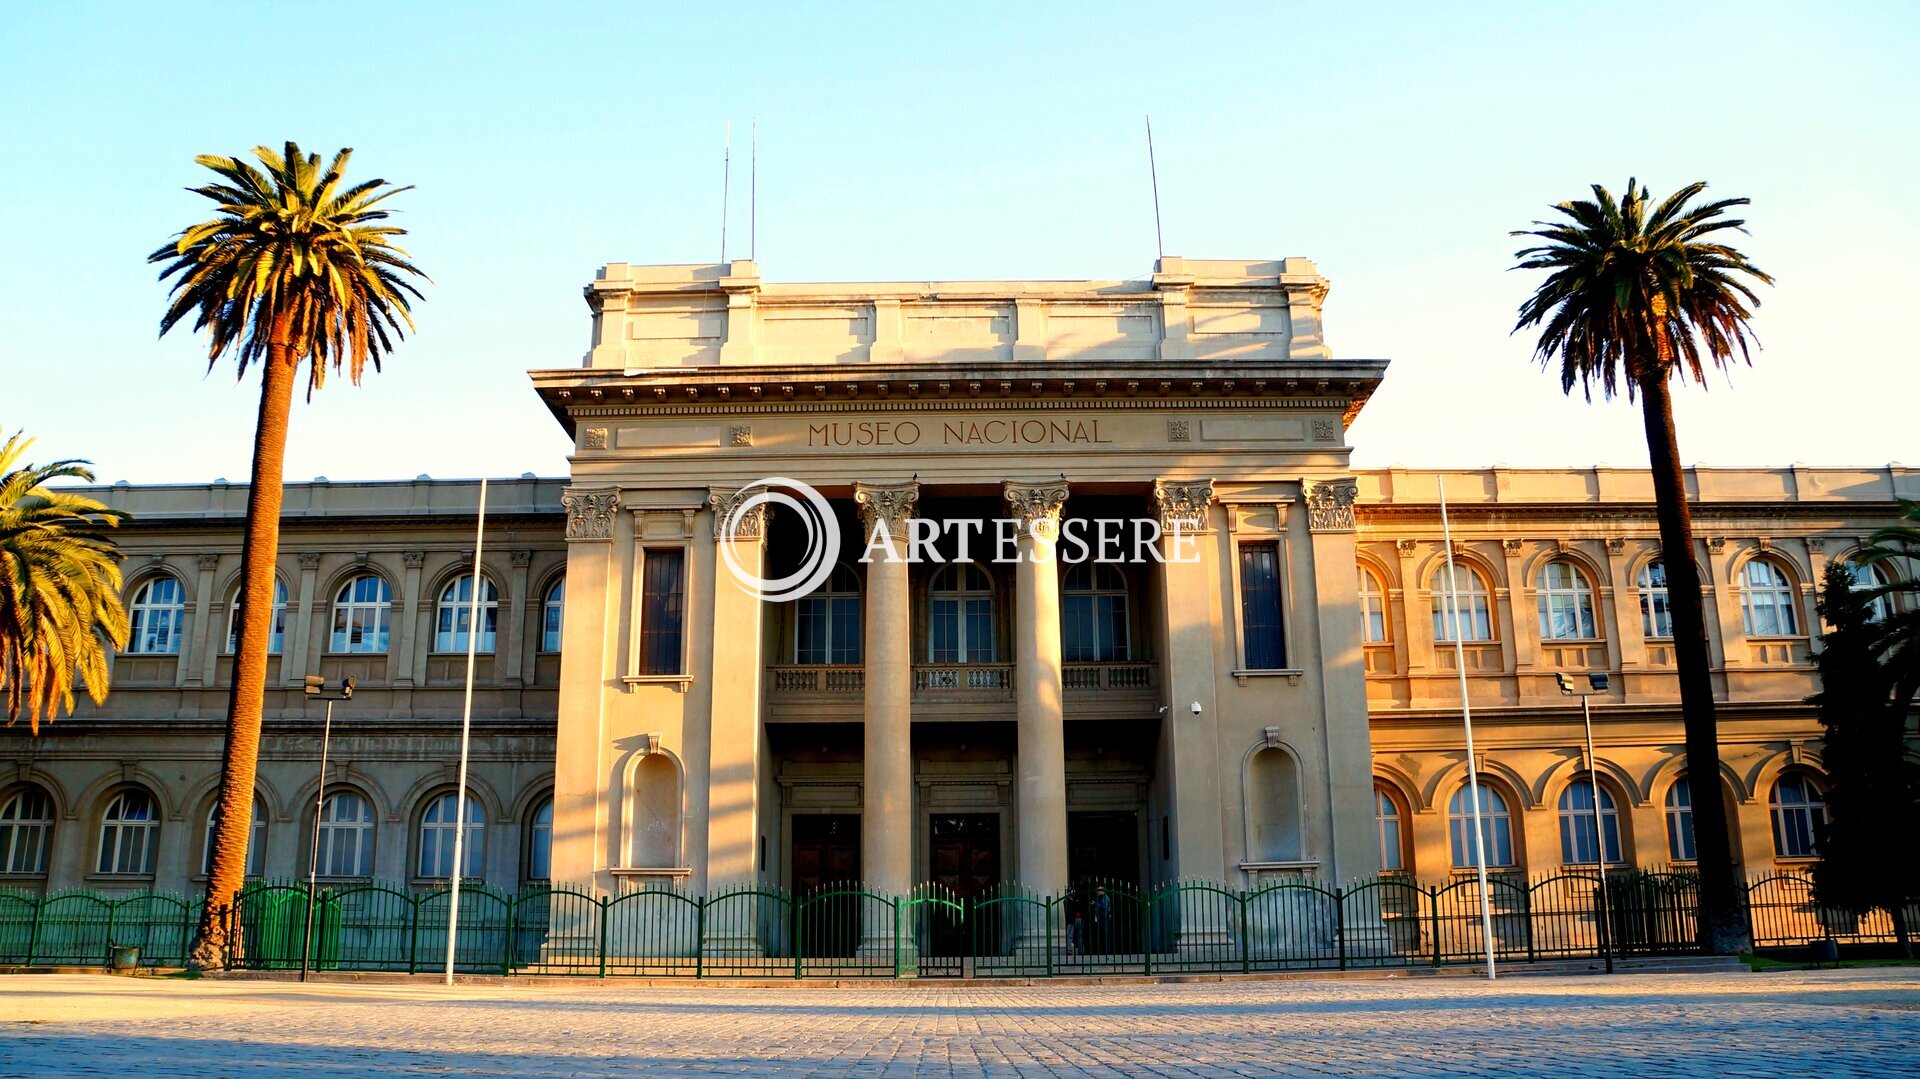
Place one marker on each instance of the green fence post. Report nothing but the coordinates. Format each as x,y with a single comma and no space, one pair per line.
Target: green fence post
898,967
1246,953
113,912
1527,898
1340,924
1046,932
413,935
1146,935
700,937
506,942
601,948
1433,904
33,933
793,919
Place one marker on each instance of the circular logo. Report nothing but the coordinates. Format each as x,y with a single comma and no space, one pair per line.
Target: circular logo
822,531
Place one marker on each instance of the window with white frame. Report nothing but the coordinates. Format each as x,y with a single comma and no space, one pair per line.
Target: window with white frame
437,830
1867,577
1373,608
1565,600
1680,846
1475,605
129,834
1768,601
345,836
552,611
1387,823
157,617
361,613
26,831
256,840
1799,812
276,635
1093,615
1496,827
1656,610
455,614
1577,844
540,842
960,616
826,623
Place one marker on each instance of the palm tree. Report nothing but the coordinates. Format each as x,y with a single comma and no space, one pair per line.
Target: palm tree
294,269
59,588
1897,637
1635,295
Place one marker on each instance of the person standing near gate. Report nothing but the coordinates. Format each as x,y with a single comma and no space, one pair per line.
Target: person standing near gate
1100,915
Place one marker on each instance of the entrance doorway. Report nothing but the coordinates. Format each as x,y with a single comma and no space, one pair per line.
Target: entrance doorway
826,859
1103,856
964,851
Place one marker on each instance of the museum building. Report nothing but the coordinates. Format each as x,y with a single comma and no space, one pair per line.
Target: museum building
1267,686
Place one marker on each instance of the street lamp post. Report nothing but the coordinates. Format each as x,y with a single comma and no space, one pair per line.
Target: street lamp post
316,690
1597,683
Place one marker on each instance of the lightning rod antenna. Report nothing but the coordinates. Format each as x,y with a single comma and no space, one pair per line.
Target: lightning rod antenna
726,177
753,196
1153,171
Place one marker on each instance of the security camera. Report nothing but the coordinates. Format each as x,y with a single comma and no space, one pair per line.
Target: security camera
1196,708
1163,709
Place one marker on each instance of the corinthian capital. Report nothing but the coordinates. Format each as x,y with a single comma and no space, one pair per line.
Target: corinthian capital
590,512
1330,505
1036,506
1182,504
891,503
730,520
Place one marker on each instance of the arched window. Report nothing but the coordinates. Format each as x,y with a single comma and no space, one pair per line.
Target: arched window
26,831
540,842
1799,812
1496,828
276,636
456,612
1565,600
1577,846
1868,576
1476,612
1373,608
1767,600
1093,615
129,832
157,617
826,624
552,610
1680,846
1656,613
360,615
960,616
256,840
345,835
436,838
1388,823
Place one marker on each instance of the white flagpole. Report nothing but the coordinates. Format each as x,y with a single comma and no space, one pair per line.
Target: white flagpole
466,725
1466,713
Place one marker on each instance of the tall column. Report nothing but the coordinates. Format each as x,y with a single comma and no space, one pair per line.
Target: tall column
1042,854
886,820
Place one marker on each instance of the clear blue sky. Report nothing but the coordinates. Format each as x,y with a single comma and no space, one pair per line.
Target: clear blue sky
1394,144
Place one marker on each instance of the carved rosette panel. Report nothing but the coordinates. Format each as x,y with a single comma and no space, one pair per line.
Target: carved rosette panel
729,520
1182,504
1330,505
892,503
1036,506
590,512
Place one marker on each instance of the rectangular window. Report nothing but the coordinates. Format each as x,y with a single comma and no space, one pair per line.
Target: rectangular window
1260,606
662,609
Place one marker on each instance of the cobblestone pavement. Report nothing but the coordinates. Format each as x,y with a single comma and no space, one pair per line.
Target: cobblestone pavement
1829,1024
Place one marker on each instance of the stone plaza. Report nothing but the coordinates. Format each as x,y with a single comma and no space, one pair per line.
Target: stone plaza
1835,1023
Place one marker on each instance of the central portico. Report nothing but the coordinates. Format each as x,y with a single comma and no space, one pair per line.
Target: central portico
1040,719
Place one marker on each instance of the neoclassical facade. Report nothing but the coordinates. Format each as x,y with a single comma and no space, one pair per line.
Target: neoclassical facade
1247,676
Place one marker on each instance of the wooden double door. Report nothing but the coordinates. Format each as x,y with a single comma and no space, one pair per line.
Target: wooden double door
963,852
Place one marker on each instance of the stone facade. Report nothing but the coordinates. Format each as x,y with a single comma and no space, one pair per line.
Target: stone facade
1231,700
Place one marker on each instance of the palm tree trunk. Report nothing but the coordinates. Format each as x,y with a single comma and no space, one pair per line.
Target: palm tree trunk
1723,924
246,700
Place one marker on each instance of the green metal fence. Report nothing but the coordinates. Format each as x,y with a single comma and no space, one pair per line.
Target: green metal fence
852,931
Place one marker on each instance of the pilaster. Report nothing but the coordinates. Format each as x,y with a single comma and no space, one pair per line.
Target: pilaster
1190,582
1343,681
201,662
733,688
579,826
301,621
